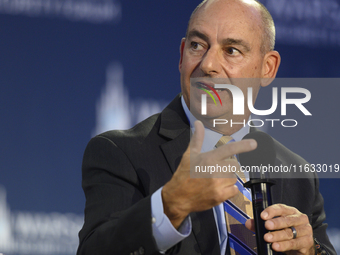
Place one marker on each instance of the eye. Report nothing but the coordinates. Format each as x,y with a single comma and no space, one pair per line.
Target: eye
196,46
232,51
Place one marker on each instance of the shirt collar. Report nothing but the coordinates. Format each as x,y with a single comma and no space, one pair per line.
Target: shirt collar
211,137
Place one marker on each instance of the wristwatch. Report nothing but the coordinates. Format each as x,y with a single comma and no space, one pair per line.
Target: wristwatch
319,250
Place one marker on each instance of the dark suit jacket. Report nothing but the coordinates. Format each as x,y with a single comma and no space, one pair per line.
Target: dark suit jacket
122,169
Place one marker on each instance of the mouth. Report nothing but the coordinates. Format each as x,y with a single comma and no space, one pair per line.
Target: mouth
206,86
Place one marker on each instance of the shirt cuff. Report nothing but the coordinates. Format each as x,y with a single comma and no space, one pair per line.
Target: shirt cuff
163,231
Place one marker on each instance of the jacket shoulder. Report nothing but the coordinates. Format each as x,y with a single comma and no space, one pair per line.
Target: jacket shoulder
136,133
286,156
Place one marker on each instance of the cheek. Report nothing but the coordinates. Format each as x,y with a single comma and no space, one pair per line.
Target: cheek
186,66
190,64
251,71
252,68
257,70
254,72
235,68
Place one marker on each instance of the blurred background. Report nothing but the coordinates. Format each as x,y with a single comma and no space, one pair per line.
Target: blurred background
70,69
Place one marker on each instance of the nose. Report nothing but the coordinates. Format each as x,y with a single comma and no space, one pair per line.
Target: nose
211,64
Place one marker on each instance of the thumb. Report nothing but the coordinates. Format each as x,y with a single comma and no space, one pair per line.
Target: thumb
197,138
250,224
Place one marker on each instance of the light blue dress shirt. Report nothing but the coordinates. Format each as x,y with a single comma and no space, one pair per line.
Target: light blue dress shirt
164,233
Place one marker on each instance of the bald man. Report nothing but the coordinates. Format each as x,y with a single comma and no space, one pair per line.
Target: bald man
140,198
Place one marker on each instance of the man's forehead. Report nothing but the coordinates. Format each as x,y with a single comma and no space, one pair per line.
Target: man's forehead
227,15
249,3
239,8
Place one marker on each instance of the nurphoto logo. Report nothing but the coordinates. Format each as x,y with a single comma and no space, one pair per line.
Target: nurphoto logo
238,99
242,99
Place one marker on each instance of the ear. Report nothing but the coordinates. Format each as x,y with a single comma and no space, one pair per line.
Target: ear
181,50
270,67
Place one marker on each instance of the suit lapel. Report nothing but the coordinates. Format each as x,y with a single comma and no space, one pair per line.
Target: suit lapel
205,232
174,149
175,128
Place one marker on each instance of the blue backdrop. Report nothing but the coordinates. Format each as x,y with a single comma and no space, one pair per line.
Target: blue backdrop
72,68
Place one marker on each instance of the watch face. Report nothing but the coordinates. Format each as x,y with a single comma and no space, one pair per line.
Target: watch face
319,250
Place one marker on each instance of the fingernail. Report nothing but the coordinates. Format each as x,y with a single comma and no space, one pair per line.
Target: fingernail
269,237
253,144
264,215
270,224
276,246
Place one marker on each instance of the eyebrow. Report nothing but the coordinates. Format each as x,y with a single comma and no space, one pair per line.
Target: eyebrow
195,33
240,42
228,41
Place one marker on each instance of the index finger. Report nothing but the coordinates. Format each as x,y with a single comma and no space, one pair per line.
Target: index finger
228,150
197,138
277,210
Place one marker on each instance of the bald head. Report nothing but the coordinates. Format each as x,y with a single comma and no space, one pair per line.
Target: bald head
265,21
